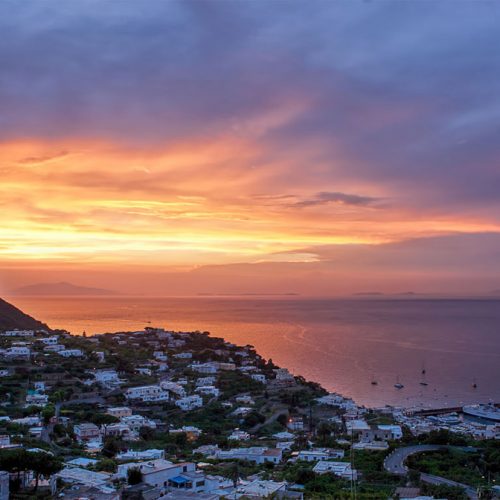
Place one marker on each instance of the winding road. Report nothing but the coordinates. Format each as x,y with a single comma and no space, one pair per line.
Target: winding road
394,463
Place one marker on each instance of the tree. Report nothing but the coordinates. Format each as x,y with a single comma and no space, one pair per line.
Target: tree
111,447
43,464
134,476
106,464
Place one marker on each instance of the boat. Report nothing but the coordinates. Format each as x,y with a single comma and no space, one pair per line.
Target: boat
374,382
423,382
474,384
398,384
486,411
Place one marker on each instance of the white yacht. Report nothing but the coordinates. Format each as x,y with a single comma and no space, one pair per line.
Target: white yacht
488,412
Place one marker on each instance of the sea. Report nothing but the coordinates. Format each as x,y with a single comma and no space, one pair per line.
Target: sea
344,344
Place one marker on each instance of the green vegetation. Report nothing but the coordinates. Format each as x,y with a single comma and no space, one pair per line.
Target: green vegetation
476,468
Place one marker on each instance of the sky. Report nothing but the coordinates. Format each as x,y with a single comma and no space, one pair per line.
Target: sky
319,148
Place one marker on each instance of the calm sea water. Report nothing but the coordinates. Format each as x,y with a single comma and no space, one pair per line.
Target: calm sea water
343,344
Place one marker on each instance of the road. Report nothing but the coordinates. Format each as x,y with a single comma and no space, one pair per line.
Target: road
394,463
469,490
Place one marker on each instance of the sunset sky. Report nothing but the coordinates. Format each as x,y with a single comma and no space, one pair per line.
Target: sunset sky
325,147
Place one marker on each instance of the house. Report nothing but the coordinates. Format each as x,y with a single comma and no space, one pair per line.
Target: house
284,436
192,432
262,489
295,424
76,475
71,353
101,356
245,399
283,377
18,352
357,426
4,485
318,454
381,433
256,454
238,435
183,355
147,393
54,339
189,402
160,356
152,454
208,390
205,381
86,432
53,348
107,378
339,469
135,422
18,333
117,430
160,472
395,431
173,387
81,462
259,377
208,368
225,366
35,399
119,411
144,371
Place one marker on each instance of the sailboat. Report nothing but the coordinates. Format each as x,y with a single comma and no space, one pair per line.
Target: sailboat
398,384
374,380
423,369
423,381
474,384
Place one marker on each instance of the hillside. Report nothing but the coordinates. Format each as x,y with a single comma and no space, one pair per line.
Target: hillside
63,288
12,318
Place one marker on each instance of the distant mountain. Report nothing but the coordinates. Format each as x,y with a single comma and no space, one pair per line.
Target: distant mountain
12,318
63,288
369,294
494,292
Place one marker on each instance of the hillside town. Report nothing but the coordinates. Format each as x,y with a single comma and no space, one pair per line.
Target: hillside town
178,415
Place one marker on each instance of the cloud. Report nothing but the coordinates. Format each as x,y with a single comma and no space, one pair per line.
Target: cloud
325,197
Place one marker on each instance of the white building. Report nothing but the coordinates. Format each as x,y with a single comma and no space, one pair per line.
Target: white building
204,381
71,353
189,402
208,390
54,339
318,454
173,387
339,469
207,368
256,454
183,355
147,393
18,333
152,454
238,435
87,431
119,411
107,378
135,422
36,399
262,489
18,352
259,377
